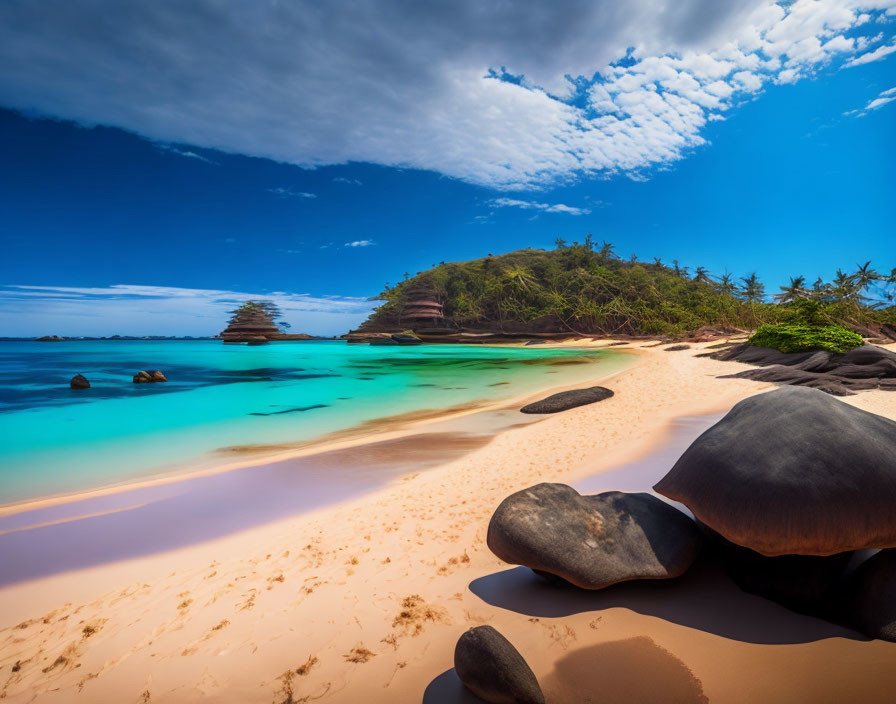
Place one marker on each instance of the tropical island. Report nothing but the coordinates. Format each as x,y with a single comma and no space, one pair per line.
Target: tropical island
585,290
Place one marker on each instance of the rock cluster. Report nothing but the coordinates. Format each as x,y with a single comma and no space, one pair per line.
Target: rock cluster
793,482
863,368
565,400
149,377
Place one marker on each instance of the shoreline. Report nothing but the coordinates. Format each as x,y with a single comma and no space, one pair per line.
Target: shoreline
376,430
364,600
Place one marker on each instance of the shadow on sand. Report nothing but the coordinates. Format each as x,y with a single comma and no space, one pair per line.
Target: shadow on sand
704,598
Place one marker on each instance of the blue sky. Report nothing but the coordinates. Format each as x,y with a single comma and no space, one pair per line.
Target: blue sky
131,204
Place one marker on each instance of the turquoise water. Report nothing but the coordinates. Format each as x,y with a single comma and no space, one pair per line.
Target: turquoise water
55,440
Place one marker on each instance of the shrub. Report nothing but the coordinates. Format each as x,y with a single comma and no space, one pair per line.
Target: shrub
803,338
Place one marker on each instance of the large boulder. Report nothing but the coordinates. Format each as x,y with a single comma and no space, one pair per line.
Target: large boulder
792,471
490,667
79,381
593,541
809,584
872,599
565,400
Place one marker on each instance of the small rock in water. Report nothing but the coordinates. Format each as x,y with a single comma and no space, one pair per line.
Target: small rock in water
568,399
490,667
157,376
143,378
593,541
872,599
79,381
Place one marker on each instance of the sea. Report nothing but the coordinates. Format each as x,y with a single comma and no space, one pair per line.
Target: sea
57,440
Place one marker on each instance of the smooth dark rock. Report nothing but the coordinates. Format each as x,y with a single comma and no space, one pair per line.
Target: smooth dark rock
383,341
568,399
792,471
490,667
871,604
79,381
860,369
593,541
809,584
677,348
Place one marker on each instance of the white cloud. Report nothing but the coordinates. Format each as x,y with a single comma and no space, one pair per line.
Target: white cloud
884,97
161,310
359,243
875,55
187,153
349,181
419,85
284,192
532,205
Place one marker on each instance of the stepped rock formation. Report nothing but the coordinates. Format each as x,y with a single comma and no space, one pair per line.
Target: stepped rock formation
251,323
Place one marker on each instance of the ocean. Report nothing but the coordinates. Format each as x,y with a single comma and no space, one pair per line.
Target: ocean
56,440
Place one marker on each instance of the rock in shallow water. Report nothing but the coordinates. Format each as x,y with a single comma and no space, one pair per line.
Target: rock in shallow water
490,667
568,399
872,599
792,471
593,541
79,381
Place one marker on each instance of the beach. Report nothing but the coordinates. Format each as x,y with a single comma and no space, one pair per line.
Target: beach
362,600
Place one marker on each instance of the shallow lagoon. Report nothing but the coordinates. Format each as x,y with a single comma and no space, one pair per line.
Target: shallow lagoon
57,440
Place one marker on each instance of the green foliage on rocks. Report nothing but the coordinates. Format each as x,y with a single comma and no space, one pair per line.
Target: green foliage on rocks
804,338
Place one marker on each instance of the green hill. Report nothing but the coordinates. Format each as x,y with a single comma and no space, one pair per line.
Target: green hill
581,288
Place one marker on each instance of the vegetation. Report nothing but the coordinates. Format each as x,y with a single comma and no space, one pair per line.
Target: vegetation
586,288
804,338
258,309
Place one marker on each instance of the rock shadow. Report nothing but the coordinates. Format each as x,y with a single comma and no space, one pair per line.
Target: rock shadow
448,689
614,673
704,598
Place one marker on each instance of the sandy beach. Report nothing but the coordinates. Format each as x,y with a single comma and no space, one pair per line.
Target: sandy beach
363,600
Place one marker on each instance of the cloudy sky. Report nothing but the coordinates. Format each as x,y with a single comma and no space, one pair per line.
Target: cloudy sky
164,159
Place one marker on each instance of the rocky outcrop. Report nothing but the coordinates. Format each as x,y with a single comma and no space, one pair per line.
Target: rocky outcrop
490,667
79,381
153,376
860,369
593,541
51,338
792,471
871,603
404,339
565,400
250,323
676,348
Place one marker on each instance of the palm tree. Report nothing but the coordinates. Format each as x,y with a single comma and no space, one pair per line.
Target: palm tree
681,271
865,275
725,284
560,243
753,289
701,275
795,290
820,289
606,250
520,277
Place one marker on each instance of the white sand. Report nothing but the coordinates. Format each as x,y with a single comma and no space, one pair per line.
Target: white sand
373,593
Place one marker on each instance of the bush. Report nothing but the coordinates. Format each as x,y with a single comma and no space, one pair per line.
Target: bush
803,338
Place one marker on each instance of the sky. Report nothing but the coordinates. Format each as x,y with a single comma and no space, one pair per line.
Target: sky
162,162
